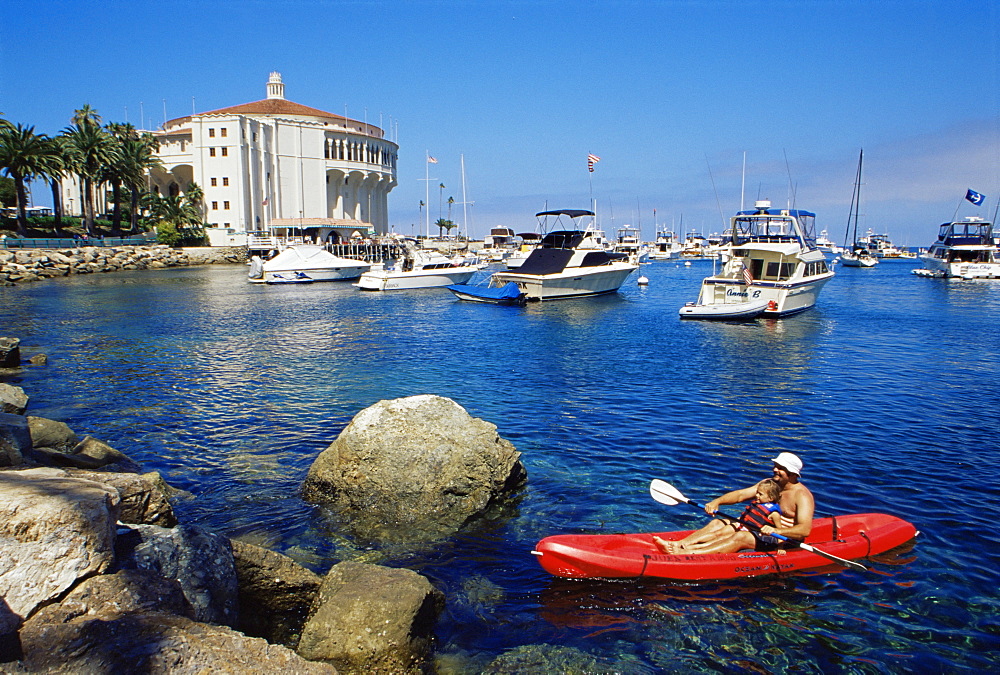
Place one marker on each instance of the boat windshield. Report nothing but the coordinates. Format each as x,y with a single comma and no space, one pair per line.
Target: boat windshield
766,228
966,233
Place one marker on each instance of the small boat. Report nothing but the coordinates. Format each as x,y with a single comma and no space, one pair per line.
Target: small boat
610,556
859,254
508,294
730,311
314,261
289,278
569,264
769,257
858,257
965,249
417,268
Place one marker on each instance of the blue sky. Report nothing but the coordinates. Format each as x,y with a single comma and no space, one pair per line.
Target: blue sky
669,94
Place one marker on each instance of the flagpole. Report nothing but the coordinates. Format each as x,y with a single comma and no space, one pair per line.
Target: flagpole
427,193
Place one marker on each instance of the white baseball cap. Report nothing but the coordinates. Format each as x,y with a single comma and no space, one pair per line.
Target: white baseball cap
790,462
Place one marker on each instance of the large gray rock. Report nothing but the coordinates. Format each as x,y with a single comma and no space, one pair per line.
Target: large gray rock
414,469
369,619
46,433
275,593
104,455
126,634
54,531
145,497
13,400
10,352
201,561
15,439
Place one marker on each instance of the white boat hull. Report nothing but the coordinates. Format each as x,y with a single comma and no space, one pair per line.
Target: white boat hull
788,298
961,270
322,274
858,262
575,282
389,280
723,311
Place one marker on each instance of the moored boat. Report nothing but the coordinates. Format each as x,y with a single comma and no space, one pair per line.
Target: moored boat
964,249
417,268
858,254
770,257
612,556
508,294
569,264
313,261
730,311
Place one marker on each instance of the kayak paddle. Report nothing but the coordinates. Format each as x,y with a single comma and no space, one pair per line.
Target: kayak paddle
665,493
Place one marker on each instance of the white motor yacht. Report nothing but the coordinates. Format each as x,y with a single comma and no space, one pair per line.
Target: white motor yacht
569,263
770,257
666,246
629,242
417,268
305,260
964,249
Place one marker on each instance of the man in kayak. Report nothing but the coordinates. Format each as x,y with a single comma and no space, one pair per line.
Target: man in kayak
797,507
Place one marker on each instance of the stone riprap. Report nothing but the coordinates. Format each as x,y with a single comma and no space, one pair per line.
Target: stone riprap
23,265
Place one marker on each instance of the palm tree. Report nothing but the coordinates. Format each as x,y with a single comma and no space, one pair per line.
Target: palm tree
86,116
176,213
22,156
56,165
138,159
93,149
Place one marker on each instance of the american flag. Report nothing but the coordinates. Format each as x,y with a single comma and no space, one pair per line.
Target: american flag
431,160
747,277
591,160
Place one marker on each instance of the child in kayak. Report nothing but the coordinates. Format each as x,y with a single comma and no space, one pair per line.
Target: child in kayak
763,510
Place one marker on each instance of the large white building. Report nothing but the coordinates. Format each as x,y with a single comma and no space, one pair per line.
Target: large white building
274,163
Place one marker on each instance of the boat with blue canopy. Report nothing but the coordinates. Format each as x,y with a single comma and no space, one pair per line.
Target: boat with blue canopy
508,294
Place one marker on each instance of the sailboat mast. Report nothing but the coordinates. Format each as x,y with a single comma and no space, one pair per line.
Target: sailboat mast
853,213
465,202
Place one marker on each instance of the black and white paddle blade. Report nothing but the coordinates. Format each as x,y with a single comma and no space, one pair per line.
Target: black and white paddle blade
665,493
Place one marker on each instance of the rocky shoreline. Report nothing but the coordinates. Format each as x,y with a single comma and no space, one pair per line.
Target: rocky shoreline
26,265
99,575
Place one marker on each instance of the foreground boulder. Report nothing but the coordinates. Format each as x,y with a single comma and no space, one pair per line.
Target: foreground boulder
369,619
120,624
15,439
54,531
145,498
13,400
201,561
275,593
10,352
414,468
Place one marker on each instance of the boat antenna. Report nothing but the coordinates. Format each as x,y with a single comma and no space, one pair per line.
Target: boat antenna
743,180
791,189
719,203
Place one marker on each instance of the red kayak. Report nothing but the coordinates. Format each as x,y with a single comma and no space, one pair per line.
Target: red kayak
634,555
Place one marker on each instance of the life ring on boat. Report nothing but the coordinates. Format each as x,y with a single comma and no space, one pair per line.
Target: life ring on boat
772,306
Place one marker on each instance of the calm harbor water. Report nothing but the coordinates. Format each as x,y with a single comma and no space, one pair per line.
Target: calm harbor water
887,389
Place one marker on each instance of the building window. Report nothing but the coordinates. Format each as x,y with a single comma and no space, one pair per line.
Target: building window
222,132
225,206
215,206
225,181
214,182
255,137
225,152
211,133
211,152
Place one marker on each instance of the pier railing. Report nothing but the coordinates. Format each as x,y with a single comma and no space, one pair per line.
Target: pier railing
65,242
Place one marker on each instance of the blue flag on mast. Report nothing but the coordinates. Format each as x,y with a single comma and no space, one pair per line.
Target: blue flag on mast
975,197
